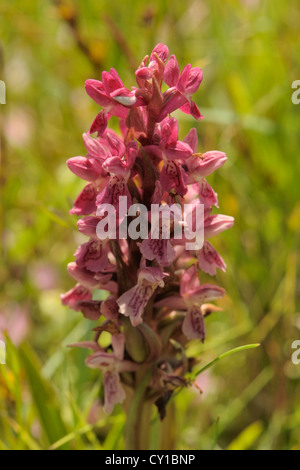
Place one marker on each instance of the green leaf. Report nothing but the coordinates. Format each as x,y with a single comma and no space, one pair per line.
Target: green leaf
247,437
43,396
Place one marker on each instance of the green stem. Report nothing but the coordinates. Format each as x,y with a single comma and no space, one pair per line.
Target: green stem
137,428
168,429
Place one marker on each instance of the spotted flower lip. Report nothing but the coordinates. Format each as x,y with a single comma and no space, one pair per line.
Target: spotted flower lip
193,326
209,259
132,302
111,365
207,195
99,124
85,202
191,292
159,249
116,187
153,302
192,296
173,177
93,256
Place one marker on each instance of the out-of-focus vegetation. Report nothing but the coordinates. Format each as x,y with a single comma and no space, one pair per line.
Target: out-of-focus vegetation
249,51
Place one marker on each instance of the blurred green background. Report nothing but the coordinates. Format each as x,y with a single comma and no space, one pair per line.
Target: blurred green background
249,52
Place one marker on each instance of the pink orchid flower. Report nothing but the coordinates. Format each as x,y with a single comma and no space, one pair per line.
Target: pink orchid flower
89,167
158,57
159,249
217,223
155,302
76,294
132,302
207,195
111,364
119,166
182,87
173,152
209,259
90,279
192,296
111,94
93,256
200,166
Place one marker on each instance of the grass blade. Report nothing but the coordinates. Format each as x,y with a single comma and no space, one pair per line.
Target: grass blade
222,356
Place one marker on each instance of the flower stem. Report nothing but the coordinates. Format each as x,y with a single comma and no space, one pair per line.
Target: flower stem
168,429
137,428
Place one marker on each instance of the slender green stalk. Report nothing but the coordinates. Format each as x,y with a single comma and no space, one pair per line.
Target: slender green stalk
222,356
136,428
210,364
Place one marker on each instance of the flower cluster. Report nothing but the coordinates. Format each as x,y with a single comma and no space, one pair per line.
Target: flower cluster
155,303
